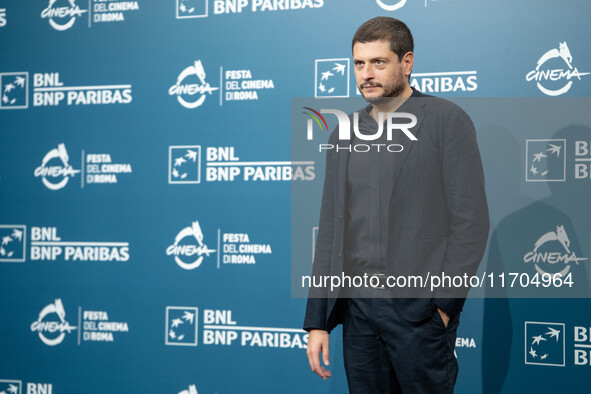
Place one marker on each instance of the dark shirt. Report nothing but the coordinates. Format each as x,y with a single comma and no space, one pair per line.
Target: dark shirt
369,187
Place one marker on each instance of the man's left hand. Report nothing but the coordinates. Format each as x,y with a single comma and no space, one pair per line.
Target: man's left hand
444,317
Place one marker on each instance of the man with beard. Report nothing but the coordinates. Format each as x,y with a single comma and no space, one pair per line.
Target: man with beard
417,210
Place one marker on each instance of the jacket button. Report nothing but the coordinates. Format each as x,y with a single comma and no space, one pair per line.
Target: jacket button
340,215
340,254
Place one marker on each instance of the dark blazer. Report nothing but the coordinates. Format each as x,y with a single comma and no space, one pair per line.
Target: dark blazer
438,214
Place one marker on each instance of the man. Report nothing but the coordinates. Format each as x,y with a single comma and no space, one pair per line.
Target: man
416,210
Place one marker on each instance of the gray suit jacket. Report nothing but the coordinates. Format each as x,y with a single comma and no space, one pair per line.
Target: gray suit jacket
438,216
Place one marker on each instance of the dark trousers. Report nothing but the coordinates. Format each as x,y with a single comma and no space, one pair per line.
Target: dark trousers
386,354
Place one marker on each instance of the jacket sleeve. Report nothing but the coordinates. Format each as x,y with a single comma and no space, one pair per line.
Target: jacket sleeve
465,198
316,307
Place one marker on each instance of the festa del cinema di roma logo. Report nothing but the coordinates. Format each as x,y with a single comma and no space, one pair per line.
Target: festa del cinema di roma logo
391,7
552,76
188,248
190,88
62,18
55,170
54,176
52,331
546,257
191,390
234,248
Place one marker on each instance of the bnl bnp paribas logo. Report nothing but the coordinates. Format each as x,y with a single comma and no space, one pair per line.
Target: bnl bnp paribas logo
192,86
331,79
14,90
11,386
13,241
555,73
546,160
181,326
546,344
219,328
199,8
222,164
49,90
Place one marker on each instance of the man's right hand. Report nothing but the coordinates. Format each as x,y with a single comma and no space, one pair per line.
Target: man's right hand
318,343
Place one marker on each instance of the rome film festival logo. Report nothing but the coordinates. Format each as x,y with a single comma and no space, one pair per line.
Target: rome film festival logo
334,78
191,83
14,91
181,326
187,244
191,390
62,18
545,258
47,326
56,177
544,344
545,160
553,76
391,7
12,244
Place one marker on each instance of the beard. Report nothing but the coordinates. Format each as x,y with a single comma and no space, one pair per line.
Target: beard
390,90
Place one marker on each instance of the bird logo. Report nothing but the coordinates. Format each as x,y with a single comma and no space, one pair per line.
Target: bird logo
544,343
11,243
179,171
13,91
545,160
333,81
181,326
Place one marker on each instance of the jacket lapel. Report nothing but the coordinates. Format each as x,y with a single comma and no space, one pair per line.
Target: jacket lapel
414,106
343,162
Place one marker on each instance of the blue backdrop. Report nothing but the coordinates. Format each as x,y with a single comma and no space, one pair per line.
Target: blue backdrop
145,168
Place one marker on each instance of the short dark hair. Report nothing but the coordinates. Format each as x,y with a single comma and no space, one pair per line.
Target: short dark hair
386,29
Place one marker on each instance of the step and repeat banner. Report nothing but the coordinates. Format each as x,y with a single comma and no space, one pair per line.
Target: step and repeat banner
146,175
